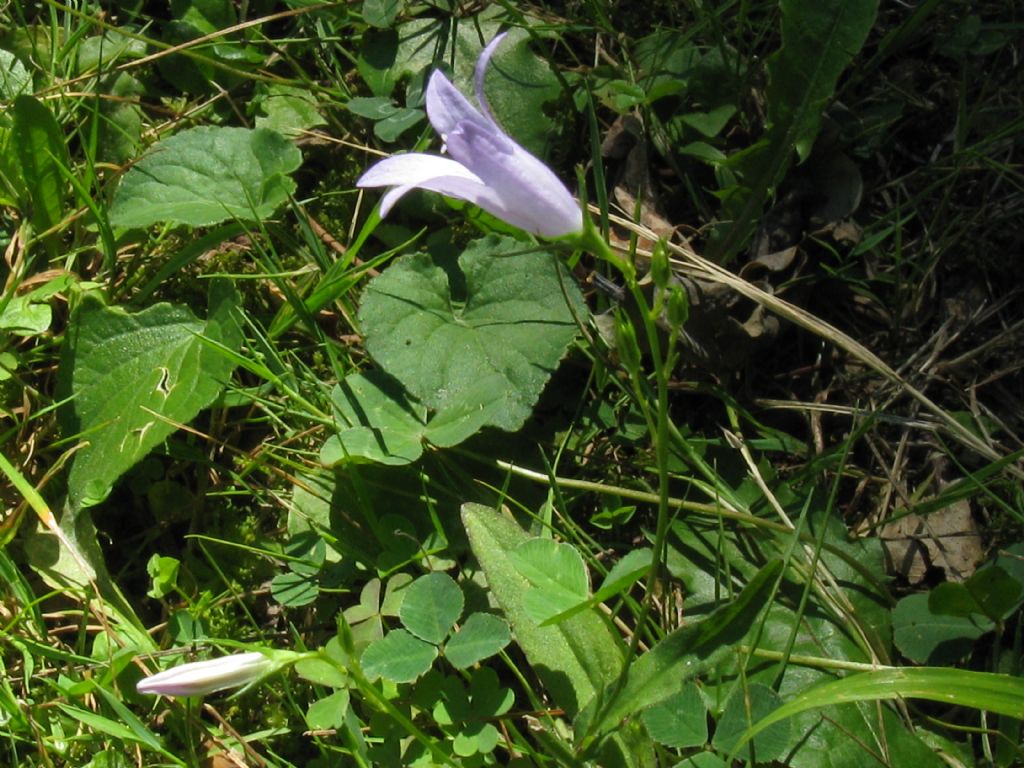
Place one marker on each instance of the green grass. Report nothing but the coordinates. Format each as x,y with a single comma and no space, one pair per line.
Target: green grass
804,333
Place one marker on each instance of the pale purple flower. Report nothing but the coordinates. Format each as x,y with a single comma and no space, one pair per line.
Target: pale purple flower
485,167
202,677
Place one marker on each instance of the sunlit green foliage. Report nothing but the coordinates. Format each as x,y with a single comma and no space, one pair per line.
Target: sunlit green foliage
589,502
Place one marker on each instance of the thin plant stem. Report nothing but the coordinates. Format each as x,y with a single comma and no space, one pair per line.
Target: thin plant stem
375,697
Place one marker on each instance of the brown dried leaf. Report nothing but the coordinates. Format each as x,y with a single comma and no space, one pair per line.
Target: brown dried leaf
947,538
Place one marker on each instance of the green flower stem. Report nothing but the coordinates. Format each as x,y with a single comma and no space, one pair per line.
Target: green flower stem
591,240
662,369
816,662
711,510
379,700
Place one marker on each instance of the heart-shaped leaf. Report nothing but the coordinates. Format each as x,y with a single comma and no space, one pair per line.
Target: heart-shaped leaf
483,335
432,605
679,721
378,422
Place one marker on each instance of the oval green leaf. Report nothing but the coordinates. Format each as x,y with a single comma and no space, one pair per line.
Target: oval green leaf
207,175
398,657
131,377
480,637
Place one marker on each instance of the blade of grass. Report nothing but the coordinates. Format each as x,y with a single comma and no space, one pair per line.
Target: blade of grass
1002,694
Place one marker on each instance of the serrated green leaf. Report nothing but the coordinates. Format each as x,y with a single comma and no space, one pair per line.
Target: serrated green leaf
520,85
413,47
679,721
288,110
481,636
207,175
378,422
432,605
745,707
496,325
398,656
819,40
132,376
520,88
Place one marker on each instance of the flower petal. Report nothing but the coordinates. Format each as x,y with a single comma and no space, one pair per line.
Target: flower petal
415,170
202,677
447,107
471,191
533,198
410,169
486,167
481,70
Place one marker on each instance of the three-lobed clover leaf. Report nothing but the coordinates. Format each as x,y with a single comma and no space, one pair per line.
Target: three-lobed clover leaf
464,714
430,608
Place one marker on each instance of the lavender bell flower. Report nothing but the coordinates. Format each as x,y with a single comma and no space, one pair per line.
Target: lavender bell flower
202,677
485,167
